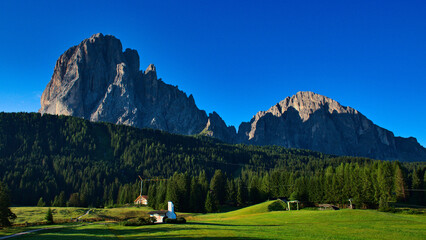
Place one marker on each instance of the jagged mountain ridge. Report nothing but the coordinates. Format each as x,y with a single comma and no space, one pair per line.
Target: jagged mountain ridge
96,80
311,121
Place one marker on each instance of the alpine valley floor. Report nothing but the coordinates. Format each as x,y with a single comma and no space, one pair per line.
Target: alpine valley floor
256,222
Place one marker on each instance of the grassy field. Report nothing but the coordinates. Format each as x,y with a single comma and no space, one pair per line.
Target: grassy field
37,214
256,222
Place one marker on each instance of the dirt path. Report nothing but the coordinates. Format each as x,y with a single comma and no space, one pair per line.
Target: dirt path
57,227
27,232
88,211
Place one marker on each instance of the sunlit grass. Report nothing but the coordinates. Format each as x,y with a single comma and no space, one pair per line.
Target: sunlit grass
256,222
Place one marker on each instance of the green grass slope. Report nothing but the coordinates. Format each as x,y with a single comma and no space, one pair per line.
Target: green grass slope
256,222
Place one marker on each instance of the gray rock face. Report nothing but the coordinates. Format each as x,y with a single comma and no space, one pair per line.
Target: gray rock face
217,128
312,121
96,80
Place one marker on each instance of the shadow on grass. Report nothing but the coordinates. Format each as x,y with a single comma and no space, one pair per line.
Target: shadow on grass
230,225
133,233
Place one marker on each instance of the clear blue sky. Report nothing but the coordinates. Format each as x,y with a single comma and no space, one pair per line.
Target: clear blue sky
237,57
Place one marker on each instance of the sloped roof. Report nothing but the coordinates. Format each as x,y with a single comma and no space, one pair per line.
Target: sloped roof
160,212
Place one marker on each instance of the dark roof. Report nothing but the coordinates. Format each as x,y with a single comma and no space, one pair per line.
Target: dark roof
158,212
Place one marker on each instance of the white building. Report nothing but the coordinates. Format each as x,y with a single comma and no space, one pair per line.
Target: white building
142,200
162,215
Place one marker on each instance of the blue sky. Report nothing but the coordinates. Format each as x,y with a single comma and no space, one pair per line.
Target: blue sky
237,57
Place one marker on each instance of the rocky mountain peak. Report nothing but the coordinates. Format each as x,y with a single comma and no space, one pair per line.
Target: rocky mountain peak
150,68
312,121
306,103
96,80
217,128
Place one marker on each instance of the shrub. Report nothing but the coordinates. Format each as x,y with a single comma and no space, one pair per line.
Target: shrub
277,206
178,220
139,222
384,205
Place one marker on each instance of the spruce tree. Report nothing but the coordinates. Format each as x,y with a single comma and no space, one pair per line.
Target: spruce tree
399,183
195,197
152,193
416,184
217,186
173,192
41,203
161,196
49,216
242,193
6,216
211,203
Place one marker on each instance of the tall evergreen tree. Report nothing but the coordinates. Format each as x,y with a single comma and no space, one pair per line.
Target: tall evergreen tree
416,185
400,187
173,192
196,196
41,202
161,195
231,192
6,215
152,193
211,203
49,216
242,193
217,186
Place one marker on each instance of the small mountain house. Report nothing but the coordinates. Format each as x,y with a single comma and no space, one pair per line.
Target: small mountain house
162,215
142,200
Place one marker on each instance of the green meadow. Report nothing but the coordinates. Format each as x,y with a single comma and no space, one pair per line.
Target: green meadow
254,222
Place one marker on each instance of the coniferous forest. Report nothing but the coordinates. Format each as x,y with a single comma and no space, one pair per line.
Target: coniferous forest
67,161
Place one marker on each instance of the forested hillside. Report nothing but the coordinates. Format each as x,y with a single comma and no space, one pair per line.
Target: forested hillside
67,160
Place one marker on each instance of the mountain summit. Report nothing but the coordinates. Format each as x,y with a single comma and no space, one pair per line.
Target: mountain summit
311,121
96,80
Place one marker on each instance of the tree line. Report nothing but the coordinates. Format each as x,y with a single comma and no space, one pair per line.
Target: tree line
60,161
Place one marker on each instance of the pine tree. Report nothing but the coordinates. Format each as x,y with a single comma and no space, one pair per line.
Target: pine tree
211,203
231,193
49,216
152,193
416,184
6,216
161,196
399,183
195,198
385,180
173,192
40,202
74,200
204,185
217,186
242,193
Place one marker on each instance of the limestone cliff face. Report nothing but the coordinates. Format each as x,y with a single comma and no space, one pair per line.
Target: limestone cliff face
96,80
312,121
217,128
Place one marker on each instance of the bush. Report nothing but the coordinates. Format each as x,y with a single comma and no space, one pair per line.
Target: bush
139,222
384,205
178,220
277,206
